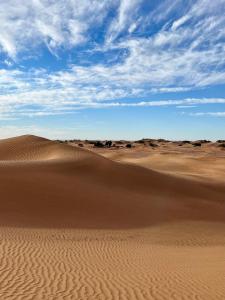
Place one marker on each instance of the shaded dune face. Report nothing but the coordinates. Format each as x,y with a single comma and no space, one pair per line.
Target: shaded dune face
47,184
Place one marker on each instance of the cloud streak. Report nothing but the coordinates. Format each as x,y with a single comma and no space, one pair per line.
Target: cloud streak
52,23
37,105
211,114
185,51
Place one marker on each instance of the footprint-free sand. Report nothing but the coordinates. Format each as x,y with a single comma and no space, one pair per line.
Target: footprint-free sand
78,225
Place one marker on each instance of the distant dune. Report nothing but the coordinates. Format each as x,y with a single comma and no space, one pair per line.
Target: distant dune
77,225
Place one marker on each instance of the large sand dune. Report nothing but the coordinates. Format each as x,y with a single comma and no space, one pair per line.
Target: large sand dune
76,225
44,183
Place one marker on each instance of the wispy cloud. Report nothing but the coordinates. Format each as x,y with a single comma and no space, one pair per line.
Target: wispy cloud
158,103
185,51
42,103
53,23
212,114
126,19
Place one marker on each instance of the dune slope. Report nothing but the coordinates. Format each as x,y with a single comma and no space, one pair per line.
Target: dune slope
44,183
75,225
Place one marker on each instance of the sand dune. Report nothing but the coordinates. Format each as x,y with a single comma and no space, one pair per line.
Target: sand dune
49,184
205,163
77,225
31,148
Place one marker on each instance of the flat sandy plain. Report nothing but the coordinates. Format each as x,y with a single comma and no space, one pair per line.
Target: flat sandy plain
146,222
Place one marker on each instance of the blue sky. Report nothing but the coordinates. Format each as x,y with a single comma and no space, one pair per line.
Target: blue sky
112,69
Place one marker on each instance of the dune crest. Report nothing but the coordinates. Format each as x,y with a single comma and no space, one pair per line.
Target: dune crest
33,148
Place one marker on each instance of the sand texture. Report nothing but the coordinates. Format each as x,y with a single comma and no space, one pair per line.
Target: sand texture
126,224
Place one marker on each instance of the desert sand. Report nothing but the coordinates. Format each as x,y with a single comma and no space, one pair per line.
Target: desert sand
84,223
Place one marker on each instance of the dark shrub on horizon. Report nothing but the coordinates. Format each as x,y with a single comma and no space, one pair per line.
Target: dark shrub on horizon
182,143
108,144
129,145
204,141
98,144
222,145
162,141
196,144
220,141
140,141
153,145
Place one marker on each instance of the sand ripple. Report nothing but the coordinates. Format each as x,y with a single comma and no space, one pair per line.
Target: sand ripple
68,264
75,225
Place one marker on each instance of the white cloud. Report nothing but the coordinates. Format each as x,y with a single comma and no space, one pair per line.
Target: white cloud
170,89
27,24
175,58
186,106
179,22
125,19
157,103
43,103
212,114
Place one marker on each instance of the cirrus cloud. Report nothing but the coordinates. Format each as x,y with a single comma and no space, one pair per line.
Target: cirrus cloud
144,50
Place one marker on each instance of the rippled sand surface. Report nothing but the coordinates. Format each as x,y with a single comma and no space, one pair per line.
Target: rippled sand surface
76,225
